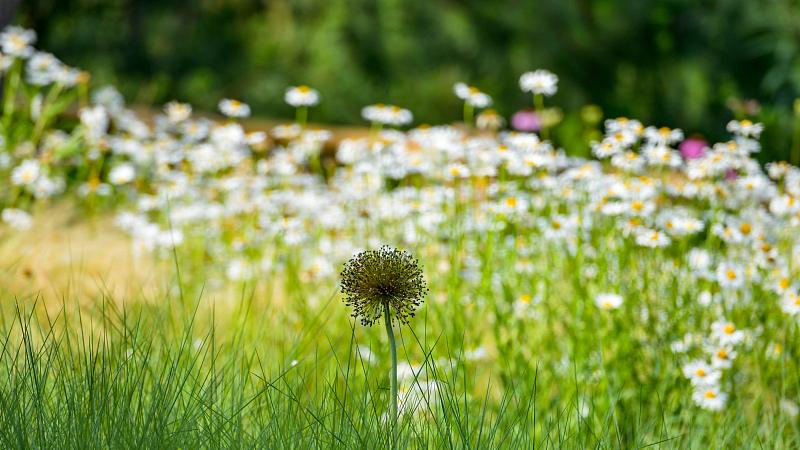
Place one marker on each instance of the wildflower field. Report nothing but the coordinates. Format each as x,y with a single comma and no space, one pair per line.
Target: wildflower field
178,279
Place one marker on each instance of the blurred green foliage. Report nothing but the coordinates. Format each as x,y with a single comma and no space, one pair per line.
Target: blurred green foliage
681,63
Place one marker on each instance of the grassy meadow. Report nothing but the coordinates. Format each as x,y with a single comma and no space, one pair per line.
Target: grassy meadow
180,280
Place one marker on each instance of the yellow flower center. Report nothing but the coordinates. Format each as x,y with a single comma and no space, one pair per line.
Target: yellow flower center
729,329
710,394
17,41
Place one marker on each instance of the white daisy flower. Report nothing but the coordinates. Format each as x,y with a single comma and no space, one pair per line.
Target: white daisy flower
95,119
26,173
629,161
472,95
784,205
539,82
789,408
722,357
608,301
661,137
301,96
624,124
701,373
730,275
178,112
42,69
387,114
651,238
699,259
17,41
605,149
17,219
234,108
122,174
239,270
710,398
457,170
726,333
745,128
790,303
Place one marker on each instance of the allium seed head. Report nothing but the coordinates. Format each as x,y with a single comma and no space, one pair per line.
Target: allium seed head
375,278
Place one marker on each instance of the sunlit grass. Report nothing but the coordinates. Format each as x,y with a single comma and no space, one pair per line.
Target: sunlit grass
197,370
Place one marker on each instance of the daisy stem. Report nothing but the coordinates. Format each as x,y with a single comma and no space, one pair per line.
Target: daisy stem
393,373
83,94
538,106
468,114
374,131
10,96
44,112
302,116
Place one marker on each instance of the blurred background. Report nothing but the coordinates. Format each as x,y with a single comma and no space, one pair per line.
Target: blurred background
692,64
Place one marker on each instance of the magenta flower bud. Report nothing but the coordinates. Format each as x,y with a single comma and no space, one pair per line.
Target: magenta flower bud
693,148
526,121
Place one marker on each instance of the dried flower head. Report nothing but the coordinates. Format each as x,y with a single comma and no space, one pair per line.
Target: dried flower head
374,279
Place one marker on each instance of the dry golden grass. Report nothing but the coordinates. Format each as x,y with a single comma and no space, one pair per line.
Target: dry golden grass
65,255
68,260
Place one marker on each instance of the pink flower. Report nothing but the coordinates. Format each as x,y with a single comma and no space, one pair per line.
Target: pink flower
526,121
731,174
693,148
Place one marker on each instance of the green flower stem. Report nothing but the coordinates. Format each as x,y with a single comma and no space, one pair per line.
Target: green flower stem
374,131
538,106
315,162
83,94
44,113
393,373
469,113
795,153
301,116
14,74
